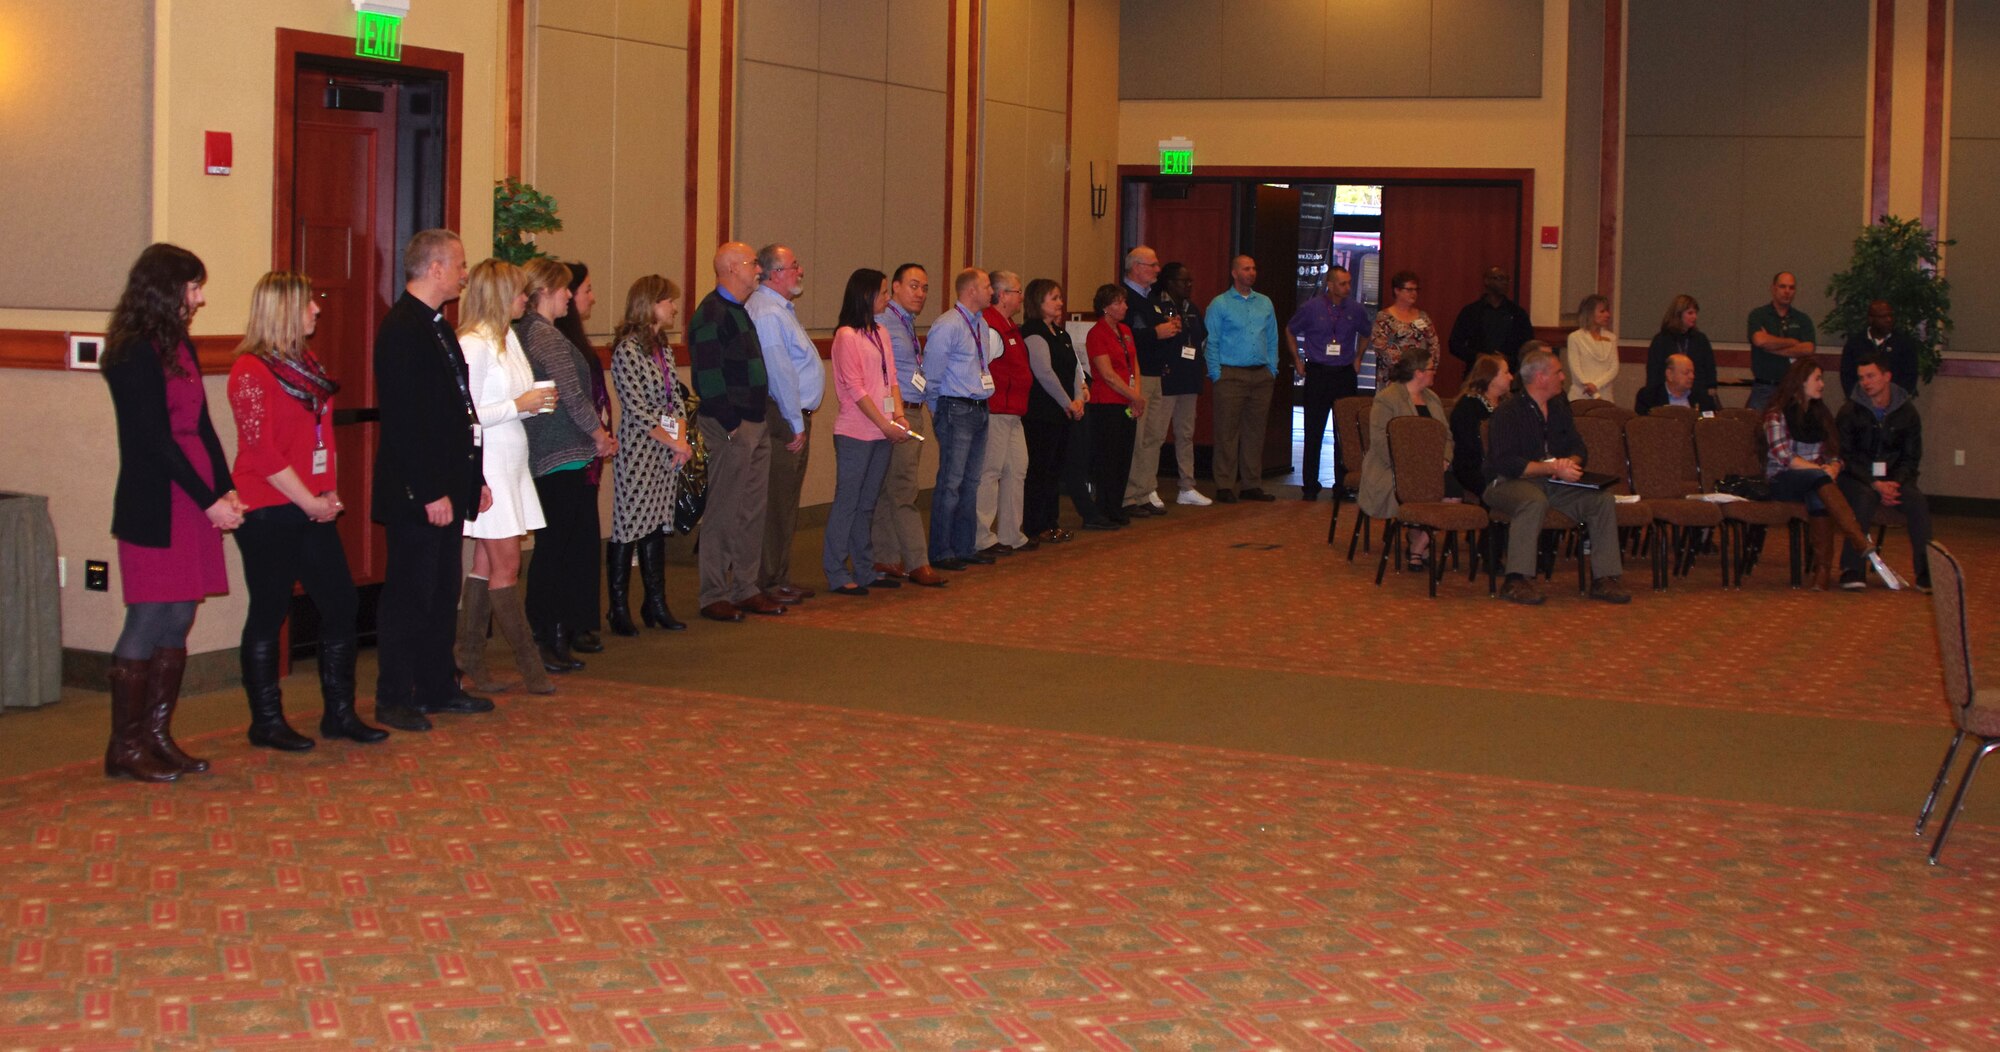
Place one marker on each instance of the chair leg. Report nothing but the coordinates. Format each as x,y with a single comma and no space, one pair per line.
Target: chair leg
1798,556
1657,556
1333,524
1354,538
1986,745
1382,565
1944,771
1435,566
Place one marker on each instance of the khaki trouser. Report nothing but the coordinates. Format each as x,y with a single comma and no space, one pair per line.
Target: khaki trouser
787,480
899,527
1526,500
1000,483
732,526
1242,405
1162,411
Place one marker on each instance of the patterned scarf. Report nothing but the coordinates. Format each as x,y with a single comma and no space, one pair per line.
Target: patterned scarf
303,378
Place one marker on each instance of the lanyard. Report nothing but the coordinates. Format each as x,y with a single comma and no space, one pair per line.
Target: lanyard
978,345
910,327
451,361
883,358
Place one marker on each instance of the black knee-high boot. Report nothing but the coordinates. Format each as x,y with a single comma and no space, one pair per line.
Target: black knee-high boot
618,586
653,578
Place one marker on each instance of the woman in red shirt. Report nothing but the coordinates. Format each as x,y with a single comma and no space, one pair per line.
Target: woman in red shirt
1116,403
283,401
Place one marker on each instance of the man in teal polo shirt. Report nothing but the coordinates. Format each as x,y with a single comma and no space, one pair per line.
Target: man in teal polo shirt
1778,334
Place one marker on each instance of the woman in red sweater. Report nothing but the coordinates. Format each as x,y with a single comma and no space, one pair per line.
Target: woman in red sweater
283,401
1116,402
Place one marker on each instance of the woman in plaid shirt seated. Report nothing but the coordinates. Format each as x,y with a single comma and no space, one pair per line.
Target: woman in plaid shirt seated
1802,462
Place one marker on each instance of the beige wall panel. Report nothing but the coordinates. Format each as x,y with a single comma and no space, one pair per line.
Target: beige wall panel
1041,210
1003,188
573,141
1811,234
777,160
853,38
583,16
79,153
781,31
649,176
1973,263
1005,60
1682,216
1270,49
1823,86
1378,49
917,43
1486,48
1094,136
1975,72
1958,415
1583,151
654,21
913,184
849,190
1683,74
1149,28
1047,47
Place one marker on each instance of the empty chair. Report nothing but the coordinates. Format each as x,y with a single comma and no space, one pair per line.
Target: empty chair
1580,406
1350,438
1748,416
1613,412
1682,412
1605,440
1973,711
1416,450
1661,454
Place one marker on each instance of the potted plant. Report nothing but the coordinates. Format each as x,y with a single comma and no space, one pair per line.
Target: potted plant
519,213
1895,260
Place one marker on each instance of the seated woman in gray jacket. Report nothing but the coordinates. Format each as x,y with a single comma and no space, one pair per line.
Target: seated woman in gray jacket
1405,391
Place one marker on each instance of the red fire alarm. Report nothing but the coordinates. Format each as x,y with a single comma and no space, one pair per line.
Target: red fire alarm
216,153
1551,237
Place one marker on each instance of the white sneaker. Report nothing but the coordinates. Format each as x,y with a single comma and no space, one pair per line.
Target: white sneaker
1882,570
1153,498
1193,497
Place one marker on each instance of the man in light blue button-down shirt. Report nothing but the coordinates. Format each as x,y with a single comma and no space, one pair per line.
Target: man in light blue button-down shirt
1243,370
797,381
957,386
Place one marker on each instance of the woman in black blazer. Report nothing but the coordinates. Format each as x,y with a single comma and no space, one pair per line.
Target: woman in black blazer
174,497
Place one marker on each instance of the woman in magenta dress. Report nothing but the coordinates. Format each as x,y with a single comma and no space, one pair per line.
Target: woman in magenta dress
173,499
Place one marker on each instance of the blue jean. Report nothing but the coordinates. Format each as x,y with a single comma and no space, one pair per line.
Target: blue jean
1760,395
961,437
858,467
1801,484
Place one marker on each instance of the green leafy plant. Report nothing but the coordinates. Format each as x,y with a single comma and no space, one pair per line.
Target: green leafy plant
519,213
1895,260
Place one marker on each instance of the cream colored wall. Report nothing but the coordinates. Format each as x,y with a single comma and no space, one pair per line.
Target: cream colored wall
1094,117
1393,133
1023,158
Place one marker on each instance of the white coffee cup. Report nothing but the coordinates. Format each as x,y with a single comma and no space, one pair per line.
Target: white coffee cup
545,385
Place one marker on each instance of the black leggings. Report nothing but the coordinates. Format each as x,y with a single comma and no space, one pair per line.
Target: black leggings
1111,432
282,547
154,626
563,572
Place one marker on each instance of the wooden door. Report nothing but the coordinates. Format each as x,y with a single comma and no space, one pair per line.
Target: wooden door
344,213
1276,249
1449,235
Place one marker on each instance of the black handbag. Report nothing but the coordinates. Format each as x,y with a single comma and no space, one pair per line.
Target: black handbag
1749,487
691,496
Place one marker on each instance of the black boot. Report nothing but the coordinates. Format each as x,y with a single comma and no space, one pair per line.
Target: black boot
653,578
336,689
586,642
267,701
617,585
558,647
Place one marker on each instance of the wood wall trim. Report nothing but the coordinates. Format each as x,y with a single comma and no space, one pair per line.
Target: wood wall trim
1937,26
1879,122
517,74
1352,174
49,349
972,101
692,159
725,123
1611,149
1069,139
950,119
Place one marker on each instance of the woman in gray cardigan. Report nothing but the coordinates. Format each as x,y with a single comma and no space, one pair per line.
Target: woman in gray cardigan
1405,391
562,576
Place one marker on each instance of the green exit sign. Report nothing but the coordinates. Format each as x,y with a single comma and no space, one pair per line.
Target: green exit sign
1176,162
379,36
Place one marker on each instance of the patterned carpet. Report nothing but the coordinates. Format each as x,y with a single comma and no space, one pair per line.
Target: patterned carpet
1300,606
639,868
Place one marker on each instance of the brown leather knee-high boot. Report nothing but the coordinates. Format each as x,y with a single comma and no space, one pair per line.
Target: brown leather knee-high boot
163,696
127,752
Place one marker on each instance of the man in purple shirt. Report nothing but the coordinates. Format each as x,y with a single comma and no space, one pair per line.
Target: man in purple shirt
1325,335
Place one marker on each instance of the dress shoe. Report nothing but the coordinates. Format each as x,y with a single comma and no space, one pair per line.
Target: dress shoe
789,593
995,550
890,570
401,718
1050,537
460,703
1225,496
1257,494
1608,590
981,559
1521,590
954,565
851,589
799,591
1064,535
761,604
1028,545
927,577
1193,498
1135,511
722,612
1309,494
1100,524
884,582
587,642
781,598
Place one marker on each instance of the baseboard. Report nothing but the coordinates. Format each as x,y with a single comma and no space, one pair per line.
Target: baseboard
1977,507
215,670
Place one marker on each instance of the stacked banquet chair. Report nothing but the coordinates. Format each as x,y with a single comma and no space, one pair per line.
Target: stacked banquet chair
1661,450
1973,711
1416,450
1560,533
1604,441
1350,438
1728,447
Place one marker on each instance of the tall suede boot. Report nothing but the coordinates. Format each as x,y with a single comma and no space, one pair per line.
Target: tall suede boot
267,699
336,690
653,578
1841,514
126,753
510,616
163,696
618,587
475,612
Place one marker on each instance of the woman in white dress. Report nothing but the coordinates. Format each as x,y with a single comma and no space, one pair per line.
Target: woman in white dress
1592,353
504,393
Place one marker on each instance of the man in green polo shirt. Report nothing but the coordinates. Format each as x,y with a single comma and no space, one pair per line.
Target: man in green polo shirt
1778,334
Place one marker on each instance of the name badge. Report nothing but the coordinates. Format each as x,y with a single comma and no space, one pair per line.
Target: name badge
321,458
1881,469
917,382
888,405
671,424
478,439
986,381
1187,352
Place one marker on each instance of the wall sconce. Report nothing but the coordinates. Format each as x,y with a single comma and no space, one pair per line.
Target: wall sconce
1100,194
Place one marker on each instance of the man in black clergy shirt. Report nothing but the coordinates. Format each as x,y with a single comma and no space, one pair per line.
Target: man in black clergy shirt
429,479
1531,449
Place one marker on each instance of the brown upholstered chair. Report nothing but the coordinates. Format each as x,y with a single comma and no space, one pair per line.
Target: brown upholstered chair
1973,711
1753,417
1661,455
1350,437
1580,406
1416,449
1728,447
1682,412
1614,412
1557,529
1605,441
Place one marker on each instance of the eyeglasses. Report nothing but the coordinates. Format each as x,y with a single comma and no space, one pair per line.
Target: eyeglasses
1406,288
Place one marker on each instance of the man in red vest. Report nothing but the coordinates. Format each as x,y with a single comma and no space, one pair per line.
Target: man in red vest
1006,464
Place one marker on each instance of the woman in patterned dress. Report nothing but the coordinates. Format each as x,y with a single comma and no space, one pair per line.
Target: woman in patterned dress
653,433
1400,326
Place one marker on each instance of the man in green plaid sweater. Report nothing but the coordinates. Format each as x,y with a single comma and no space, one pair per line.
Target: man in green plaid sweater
728,365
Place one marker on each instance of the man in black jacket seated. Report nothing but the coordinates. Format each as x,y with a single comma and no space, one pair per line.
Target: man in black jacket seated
1676,389
429,479
1532,448
1881,451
